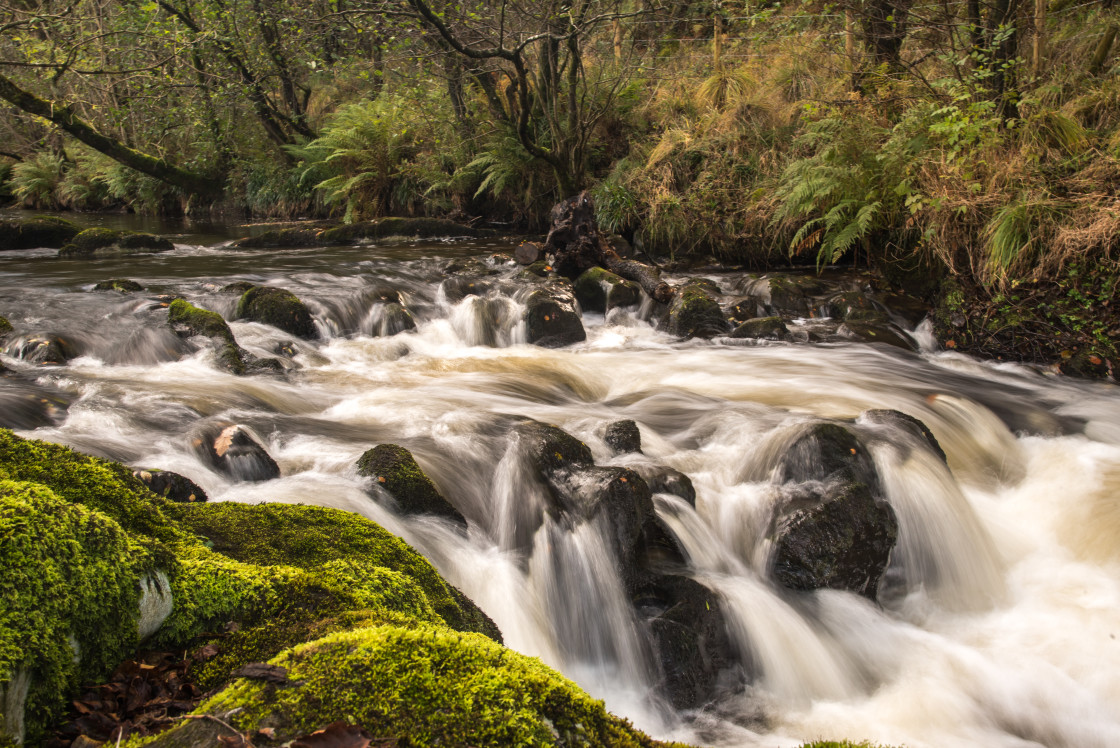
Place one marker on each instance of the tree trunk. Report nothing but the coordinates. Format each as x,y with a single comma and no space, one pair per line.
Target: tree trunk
64,117
1039,47
1101,55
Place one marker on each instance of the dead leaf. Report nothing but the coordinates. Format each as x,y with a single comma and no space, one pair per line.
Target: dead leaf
335,735
225,440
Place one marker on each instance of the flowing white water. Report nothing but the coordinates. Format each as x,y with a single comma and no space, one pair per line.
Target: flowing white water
1001,607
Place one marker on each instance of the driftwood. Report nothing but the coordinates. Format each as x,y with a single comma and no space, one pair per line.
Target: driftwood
577,245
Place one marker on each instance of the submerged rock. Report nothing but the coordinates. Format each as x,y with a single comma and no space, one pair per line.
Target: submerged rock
25,405
390,318
171,486
100,241
38,232
792,294
233,449
664,479
395,469
51,350
765,328
278,308
599,290
875,333
623,437
551,319
458,288
121,285
898,419
326,234
694,312
833,530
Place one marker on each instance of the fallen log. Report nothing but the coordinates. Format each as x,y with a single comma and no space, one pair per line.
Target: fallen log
577,245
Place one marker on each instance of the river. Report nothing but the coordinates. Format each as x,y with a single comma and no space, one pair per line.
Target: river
1000,626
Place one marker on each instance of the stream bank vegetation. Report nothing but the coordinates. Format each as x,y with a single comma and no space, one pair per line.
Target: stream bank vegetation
968,150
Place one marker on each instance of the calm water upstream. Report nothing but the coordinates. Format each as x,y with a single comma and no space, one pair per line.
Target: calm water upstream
1001,627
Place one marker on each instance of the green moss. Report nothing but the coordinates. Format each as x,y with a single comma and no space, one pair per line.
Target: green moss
395,470
425,686
695,313
600,290
123,285
65,571
307,537
5,327
107,487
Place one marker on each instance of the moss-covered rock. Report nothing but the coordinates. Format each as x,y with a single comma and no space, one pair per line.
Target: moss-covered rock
279,308
100,241
420,228
122,285
423,685
742,310
396,471
551,319
187,320
171,486
6,328
793,293
695,313
599,290
40,231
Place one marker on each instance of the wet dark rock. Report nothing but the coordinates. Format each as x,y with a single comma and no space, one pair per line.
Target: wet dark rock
536,272
419,228
267,365
623,437
187,320
764,328
528,253
620,496
875,333
396,471
551,319
99,241
848,303
279,308
690,634
287,349
237,287
742,310
121,285
619,244
599,290
391,318
171,486
51,350
475,266
549,447
233,450
1087,364
40,231
458,288
793,294
695,313
664,479
898,419
6,328
833,530
297,236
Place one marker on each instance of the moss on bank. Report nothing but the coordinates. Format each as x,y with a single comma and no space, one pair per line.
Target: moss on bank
424,686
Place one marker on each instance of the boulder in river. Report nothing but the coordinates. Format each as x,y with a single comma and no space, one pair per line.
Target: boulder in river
171,486
599,290
121,285
763,328
870,332
279,308
664,479
6,328
101,241
832,530
695,313
40,231
396,470
25,405
899,420
623,437
51,350
232,449
551,319
390,318
188,320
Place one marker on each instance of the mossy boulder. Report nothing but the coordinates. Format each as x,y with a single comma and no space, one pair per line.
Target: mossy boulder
40,231
121,285
419,228
551,319
6,328
188,320
233,449
395,470
53,350
793,294
694,313
298,236
457,288
423,686
763,328
100,241
279,308
742,310
237,287
623,437
853,305
599,290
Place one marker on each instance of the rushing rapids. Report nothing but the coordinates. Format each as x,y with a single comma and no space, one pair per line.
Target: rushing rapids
996,618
